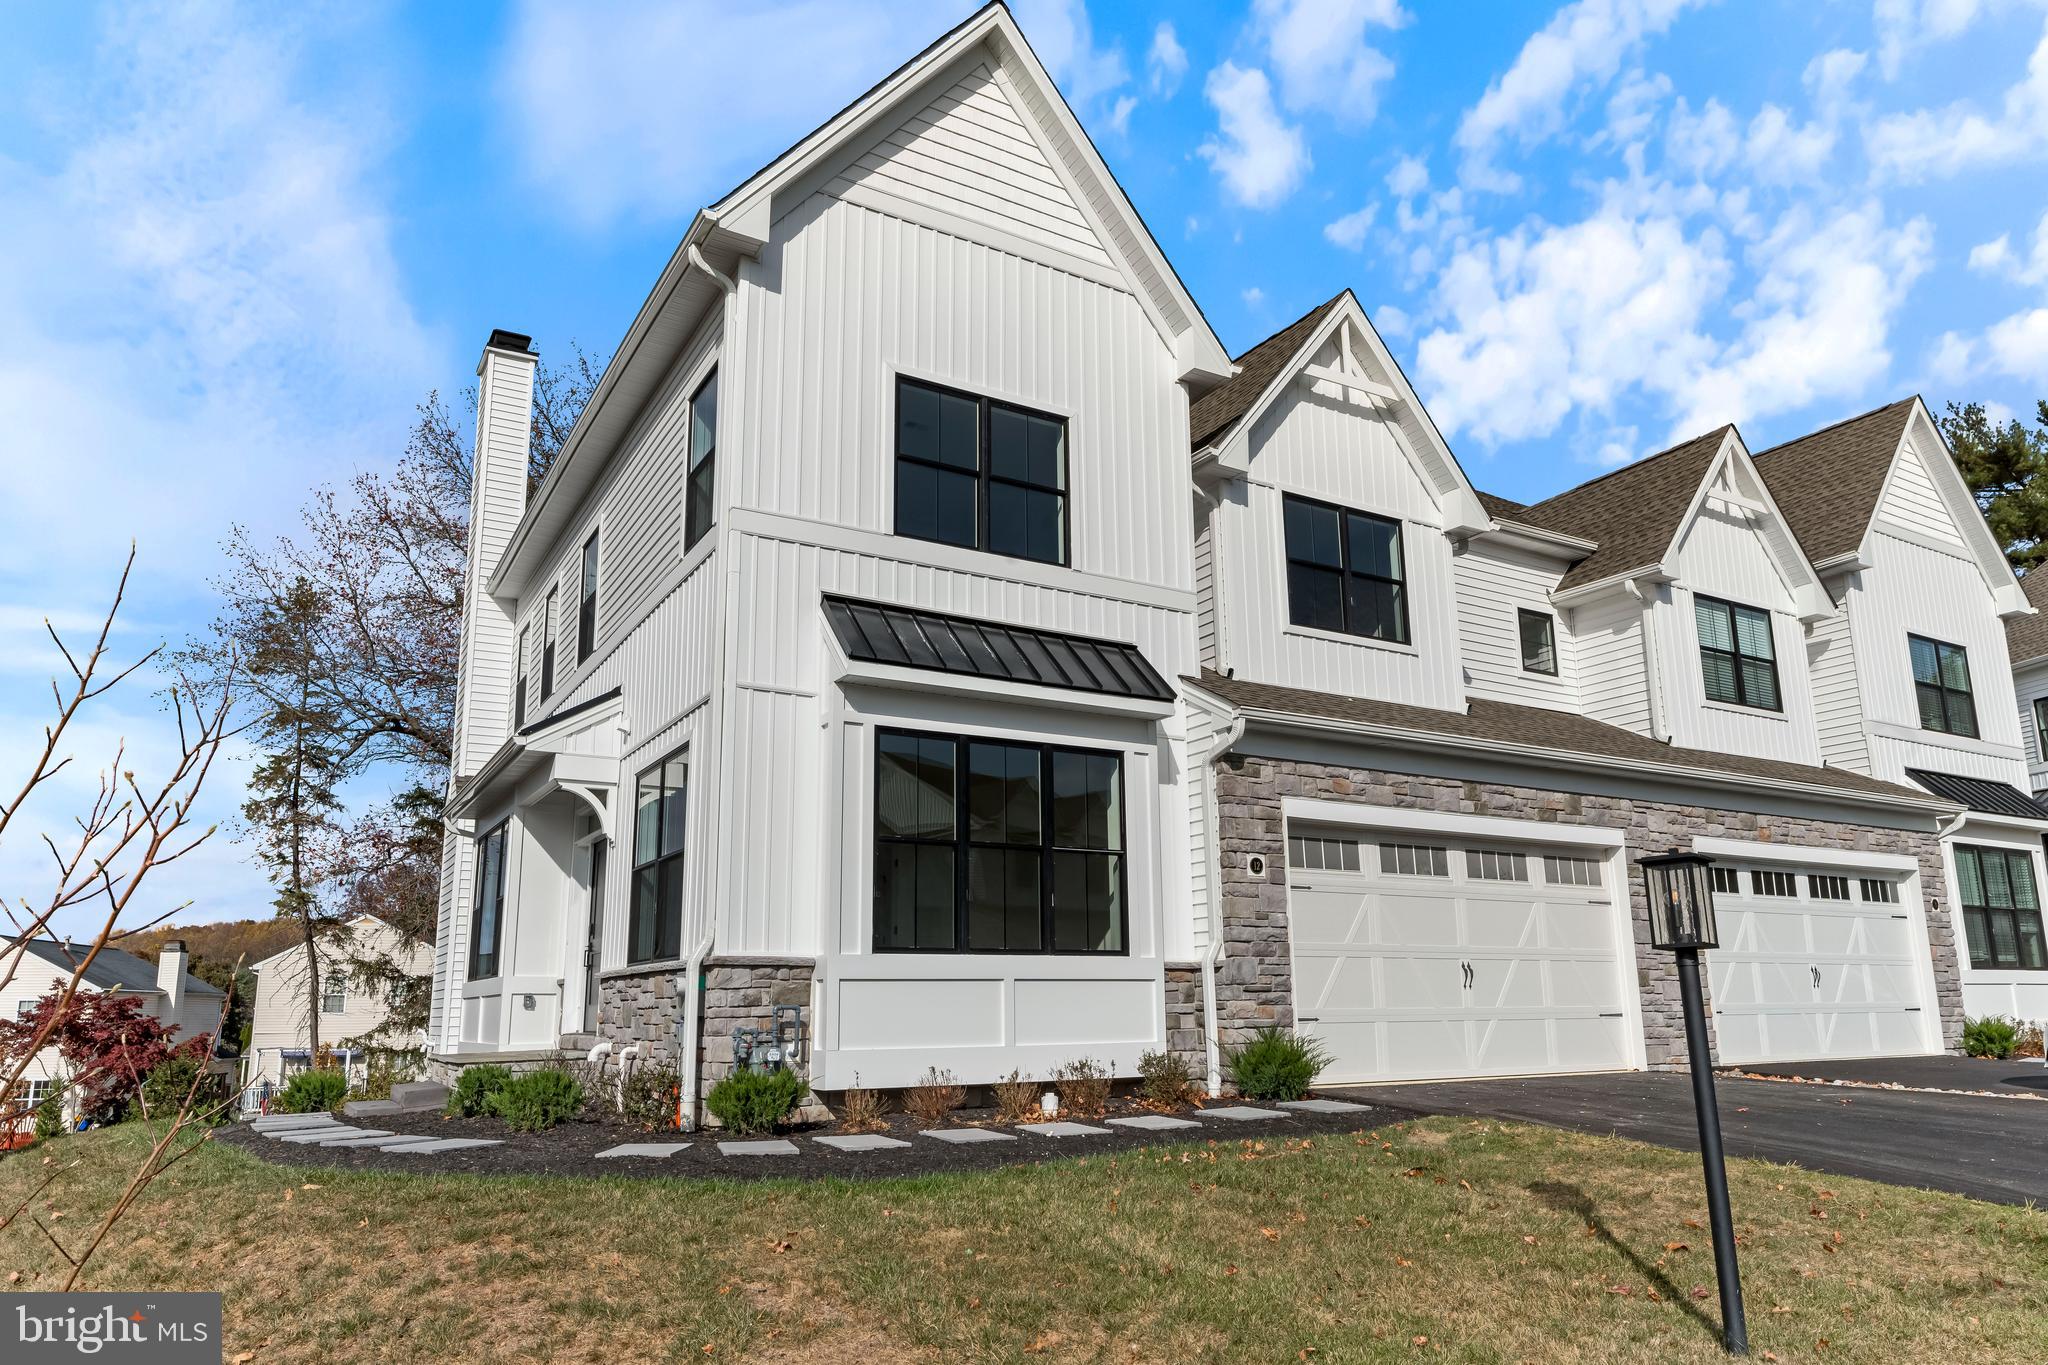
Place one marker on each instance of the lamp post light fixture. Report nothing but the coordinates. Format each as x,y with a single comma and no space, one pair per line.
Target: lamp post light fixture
1681,892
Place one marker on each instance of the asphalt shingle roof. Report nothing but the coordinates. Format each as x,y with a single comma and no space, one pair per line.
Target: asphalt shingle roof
2026,637
111,968
1216,411
1827,484
1632,513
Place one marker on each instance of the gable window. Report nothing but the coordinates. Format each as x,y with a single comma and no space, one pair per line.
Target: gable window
654,930
547,645
333,994
1539,641
2001,908
1738,663
1941,678
699,496
1345,571
981,474
987,846
586,602
519,687
487,922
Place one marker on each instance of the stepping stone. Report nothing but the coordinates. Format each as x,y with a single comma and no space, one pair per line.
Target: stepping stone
1061,1129
1154,1122
374,1140
763,1147
644,1149
279,1123
966,1135
320,1134
445,1144
863,1142
332,1140
1324,1106
1242,1113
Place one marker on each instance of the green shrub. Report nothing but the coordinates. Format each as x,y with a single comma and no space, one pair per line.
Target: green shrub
1164,1079
755,1101
1991,1037
648,1098
311,1092
165,1088
50,1115
1277,1064
474,1089
538,1099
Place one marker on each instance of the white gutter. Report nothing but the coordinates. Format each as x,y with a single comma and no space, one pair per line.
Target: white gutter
686,1106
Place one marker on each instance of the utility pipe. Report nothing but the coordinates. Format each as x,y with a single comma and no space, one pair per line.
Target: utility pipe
686,1104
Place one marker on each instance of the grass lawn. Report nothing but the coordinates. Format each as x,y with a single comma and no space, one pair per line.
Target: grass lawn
1441,1240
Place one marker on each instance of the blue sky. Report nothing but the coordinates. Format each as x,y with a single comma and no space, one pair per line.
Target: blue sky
237,248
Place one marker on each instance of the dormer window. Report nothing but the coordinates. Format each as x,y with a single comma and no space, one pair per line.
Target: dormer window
1539,641
1738,663
980,474
1345,571
1941,682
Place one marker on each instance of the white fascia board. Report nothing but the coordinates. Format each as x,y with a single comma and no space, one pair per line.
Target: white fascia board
1962,509
1809,597
1350,813
1762,851
1977,819
1528,537
1613,583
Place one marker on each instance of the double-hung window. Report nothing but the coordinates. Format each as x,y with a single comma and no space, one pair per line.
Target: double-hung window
333,993
1941,680
2041,729
586,602
2001,908
978,473
487,924
1345,571
700,502
1539,641
1738,663
519,686
989,846
654,932
547,645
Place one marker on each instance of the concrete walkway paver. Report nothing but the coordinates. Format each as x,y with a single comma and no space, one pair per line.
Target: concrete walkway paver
644,1149
1154,1122
445,1145
964,1135
863,1142
759,1147
1061,1129
1242,1113
1323,1106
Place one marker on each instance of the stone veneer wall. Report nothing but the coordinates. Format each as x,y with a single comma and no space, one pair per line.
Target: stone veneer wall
1184,1017
643,1007
1255,980
741,992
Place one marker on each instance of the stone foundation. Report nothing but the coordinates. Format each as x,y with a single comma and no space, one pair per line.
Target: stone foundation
1184,1037
741,992
1255,981
442,1068
644,1008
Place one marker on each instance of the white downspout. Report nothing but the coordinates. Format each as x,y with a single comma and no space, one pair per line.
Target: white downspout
1212,1042
1652,672
686,1116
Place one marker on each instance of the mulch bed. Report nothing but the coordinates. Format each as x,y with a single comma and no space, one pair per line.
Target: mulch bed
571,1149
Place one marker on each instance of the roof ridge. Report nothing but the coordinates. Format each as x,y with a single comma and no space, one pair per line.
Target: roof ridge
1846,421
1629,468
1278,332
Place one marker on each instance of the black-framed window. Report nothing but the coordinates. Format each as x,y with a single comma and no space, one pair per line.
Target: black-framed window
1345,570
1538,631
654,929
2041,729
980,473
1826,887
547,643
993,846
519,685
1738,659
487,921
1941,680
1727,879
700,501
586,602
1766,883
2001,908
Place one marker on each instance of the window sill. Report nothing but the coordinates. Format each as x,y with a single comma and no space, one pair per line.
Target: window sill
1753,712
1338,637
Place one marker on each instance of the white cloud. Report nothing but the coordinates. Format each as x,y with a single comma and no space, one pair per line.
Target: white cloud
1929,143
1253,296
1062,35
1349,231
2018,346
1905,24
1318,47
1997,257
1409,177
1167,62
1830,76
1632,108
1258,155
1390,320
1704,143
1777,151
1584,44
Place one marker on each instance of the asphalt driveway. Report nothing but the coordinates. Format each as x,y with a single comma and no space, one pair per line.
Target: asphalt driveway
1986,1147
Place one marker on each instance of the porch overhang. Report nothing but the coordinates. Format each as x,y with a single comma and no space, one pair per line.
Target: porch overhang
575,752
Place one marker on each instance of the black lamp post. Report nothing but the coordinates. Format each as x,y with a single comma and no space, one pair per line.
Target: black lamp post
1681,887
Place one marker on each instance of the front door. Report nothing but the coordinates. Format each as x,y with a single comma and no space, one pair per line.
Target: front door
590,939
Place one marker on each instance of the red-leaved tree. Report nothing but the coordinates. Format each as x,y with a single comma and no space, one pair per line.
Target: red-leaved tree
108,1045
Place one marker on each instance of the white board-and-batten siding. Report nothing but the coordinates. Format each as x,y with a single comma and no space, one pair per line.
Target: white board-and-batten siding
1495,585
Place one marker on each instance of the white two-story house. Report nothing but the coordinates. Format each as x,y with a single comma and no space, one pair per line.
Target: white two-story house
930,633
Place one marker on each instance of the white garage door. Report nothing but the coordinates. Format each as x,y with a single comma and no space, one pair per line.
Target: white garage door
1814,964
1417,957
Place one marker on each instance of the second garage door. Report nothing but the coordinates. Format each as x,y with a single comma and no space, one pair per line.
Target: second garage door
1419,957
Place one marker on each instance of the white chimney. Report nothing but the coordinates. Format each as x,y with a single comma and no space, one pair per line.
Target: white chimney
171,963
504,425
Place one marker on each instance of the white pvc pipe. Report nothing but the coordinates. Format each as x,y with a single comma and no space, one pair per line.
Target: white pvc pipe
686,1117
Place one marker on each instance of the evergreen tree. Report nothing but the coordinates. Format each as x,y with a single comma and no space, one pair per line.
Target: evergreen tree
2004,464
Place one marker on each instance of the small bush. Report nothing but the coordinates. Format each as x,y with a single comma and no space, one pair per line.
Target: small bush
474,1089
311,1092
50,1115
1017,1099
164,1089
648,1098
755,1101
933,1099
1165,1080
1083,1086
1277,1064
1991,1037
2029,1044
862,1110
537,1100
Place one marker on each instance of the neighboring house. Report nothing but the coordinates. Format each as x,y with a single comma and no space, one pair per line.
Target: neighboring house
2027,642
279,1036
928,626
187,1006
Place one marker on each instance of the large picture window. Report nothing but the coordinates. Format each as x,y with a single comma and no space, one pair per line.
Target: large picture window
586,602
700,500
979,473
1941,680
654,932
2001,908
1738,661
1345,571
487,922
987,846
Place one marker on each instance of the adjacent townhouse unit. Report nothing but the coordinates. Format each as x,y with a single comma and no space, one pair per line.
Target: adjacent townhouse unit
930,633
353,1018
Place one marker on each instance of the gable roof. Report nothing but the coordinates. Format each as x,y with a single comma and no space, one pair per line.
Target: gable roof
1216,411
1500,506
1828,483
1633,514
2026,637
111,969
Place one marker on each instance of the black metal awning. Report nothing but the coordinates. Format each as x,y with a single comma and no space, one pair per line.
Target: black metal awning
871,632
1981,794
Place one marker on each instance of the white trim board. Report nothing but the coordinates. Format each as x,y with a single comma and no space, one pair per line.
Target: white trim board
1311,811
1761,851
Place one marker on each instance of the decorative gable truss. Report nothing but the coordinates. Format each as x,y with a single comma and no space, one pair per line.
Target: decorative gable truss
1734,488
1925,500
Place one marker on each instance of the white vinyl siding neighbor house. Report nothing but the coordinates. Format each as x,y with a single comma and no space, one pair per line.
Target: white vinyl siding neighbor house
279,1036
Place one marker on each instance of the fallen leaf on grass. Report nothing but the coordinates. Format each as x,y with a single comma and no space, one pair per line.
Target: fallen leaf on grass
1528,1240
1403,1261
1620,1289
1693,1223
1230,1270
1699,1291
779,1246
1420,1340
1043,1344
309,1187
245,1357
14,1277
1677,1246
1269,1234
